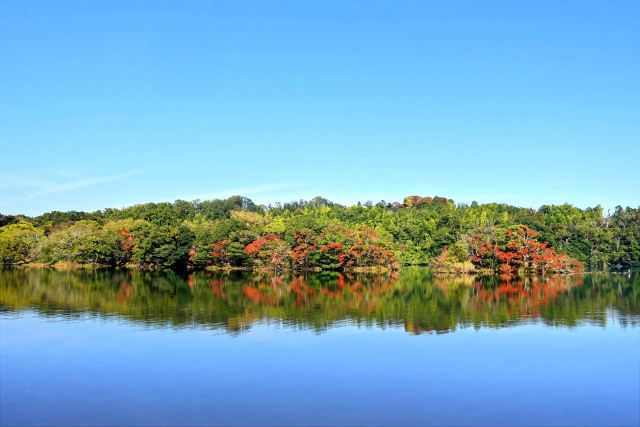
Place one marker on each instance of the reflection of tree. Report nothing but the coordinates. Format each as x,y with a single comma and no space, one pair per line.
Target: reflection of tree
413,299
525,296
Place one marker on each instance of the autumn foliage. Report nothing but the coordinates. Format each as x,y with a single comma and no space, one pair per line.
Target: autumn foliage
521,250
127,240
219,252
454,260
320,234
417,201
269,250
360,248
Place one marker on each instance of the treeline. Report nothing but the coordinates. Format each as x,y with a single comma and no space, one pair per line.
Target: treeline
319,234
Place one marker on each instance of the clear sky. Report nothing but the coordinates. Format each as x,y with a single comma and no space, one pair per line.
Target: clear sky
107,104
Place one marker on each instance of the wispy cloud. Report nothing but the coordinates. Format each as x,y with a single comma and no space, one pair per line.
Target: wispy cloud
30,188
249,191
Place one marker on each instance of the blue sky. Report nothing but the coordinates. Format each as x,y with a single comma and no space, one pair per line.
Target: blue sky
107,104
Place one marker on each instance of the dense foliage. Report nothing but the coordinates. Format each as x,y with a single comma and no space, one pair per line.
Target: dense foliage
515,249
319,234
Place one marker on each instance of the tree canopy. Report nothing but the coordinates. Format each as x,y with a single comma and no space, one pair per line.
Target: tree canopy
320,234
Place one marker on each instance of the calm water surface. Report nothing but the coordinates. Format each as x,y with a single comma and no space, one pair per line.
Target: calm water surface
131,348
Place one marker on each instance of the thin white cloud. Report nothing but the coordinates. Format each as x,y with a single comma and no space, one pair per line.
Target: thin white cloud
30,188
249,191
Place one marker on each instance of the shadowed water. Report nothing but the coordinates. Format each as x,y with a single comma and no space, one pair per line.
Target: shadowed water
127,347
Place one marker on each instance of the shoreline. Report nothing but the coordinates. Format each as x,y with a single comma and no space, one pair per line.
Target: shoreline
228,269
78,266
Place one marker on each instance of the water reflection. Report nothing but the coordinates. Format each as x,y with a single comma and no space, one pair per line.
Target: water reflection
414,299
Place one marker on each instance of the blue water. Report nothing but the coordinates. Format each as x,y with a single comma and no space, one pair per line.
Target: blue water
134,348
94,372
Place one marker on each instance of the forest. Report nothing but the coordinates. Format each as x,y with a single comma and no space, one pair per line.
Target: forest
318,234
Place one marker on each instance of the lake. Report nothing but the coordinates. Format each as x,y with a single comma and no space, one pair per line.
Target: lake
100,347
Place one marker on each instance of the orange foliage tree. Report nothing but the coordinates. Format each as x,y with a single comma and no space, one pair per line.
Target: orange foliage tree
362,247
219,252
269,250
521,250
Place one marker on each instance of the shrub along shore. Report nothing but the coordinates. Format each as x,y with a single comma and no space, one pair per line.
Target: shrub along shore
320,235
